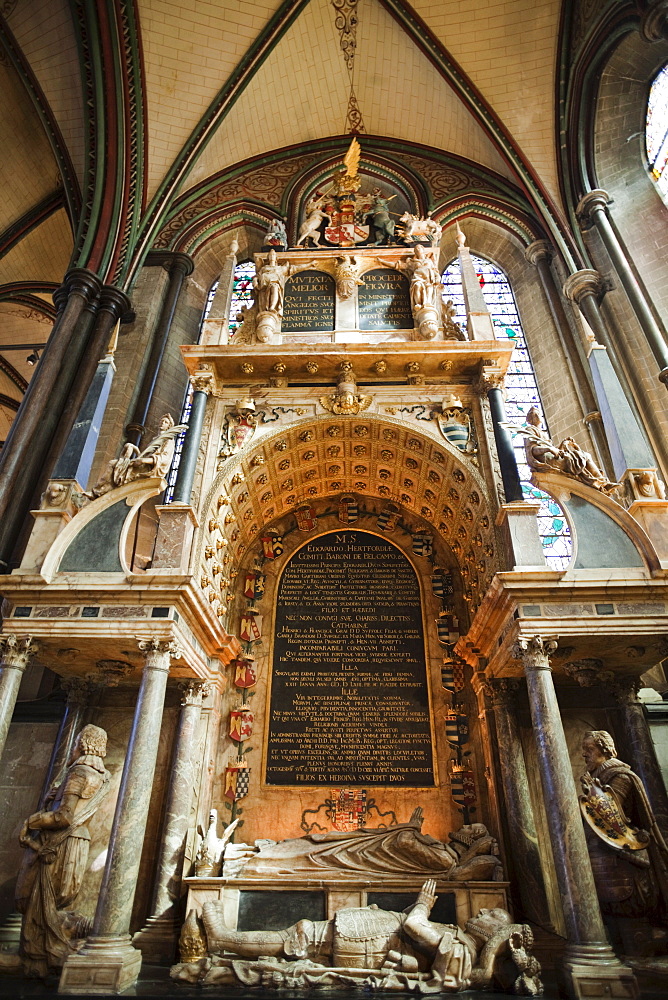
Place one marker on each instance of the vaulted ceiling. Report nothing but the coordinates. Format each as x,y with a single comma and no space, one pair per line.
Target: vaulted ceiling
132,105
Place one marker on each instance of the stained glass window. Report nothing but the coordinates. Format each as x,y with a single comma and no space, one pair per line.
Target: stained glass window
242,293
656,130
521,392
185,409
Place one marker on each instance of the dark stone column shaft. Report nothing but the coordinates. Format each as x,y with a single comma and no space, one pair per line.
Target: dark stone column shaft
191,444
114,908
180,266
113,304
504,446
15,655
639,747
26,446
519,810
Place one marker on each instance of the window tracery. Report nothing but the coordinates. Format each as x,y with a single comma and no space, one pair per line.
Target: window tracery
521,392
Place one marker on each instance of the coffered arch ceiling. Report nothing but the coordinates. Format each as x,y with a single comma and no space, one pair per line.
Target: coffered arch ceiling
380,461
192,89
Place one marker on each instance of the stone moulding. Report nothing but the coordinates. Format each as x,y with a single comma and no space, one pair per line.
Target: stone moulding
134,494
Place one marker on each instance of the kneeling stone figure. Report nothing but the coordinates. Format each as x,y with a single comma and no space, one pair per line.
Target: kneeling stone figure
366,945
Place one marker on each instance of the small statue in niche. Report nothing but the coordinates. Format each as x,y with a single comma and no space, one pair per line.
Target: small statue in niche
451,329
310,227
367,946
346,399
568,458
269,285
153,462
347,275
627,850
56,842
426,291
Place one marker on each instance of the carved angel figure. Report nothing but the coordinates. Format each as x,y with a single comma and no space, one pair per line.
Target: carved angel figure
269,282
154,461
568,458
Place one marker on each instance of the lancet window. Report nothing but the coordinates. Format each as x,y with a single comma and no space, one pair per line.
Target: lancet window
242,293
656,130
521,391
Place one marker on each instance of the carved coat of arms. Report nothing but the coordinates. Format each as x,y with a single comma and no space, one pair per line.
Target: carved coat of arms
241,724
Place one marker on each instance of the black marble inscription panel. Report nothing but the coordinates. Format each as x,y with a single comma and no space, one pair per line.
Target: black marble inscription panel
268,910
384,301
349,696
309,302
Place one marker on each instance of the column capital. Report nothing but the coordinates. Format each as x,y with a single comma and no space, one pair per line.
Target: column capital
17,651
654,22
594,201
539,250
586,671
193,692
158,652
113,300
534,652
112,672
504,691
171,260
78,689
204,379
624,689
82,282
583,283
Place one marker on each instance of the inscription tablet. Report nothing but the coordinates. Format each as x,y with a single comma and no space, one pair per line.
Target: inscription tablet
349,695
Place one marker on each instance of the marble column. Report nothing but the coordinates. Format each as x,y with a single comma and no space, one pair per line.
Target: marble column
590,968
15,655
157,940
637,747
108,963
540,253
518,808
627,442
592,211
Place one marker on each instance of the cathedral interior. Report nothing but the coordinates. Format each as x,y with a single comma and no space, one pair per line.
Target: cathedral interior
333,518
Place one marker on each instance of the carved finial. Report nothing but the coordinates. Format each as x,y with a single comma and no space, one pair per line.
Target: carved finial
461,239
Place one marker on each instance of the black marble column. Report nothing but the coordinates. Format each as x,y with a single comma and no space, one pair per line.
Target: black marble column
510,476
15,655
108,963
202,384
157,940
519,810
592,210
24,451
590,967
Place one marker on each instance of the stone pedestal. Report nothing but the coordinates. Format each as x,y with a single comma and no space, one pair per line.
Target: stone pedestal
525,545
175,531
157,940
15,655
590,967
652,515
107,963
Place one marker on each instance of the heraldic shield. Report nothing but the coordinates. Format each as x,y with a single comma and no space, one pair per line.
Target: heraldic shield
602,813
